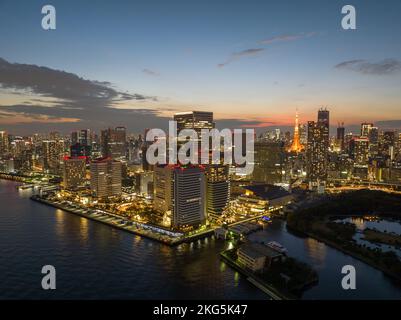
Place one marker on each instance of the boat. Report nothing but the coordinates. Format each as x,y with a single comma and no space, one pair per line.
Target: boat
277,246
266,219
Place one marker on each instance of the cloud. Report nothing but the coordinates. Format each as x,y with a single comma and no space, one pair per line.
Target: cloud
244,123
150,72
384,67
286,38
237,55
58,84
389,124
254,51
54,96
247,52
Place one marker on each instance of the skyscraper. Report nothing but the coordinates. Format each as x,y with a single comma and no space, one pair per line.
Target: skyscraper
4,145
85,137
196,120
163,192
113,143
53,153
74,137
269,158
181,191
365,129
217,189
145,183
374,141
105,177
341,136
74,172
361,151
388,143
323,120
317,149
188,197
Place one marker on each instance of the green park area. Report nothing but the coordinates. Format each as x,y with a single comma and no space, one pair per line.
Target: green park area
318,222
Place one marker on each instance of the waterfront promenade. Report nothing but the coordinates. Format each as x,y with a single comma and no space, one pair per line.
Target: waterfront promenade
151,232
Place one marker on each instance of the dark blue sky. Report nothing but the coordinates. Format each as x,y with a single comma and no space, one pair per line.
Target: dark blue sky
255,60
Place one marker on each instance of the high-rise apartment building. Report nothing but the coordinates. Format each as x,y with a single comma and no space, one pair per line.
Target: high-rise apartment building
4,144
323,120
361,151
105,177
388,143
74,172
374,141
317,149
217,190
113,142
182,191
53,153
188,197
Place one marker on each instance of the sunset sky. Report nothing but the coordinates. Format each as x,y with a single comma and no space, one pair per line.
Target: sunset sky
252,63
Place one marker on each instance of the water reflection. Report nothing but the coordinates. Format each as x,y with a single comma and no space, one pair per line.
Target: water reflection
328,263
383,225
84,229
236,278
60,226
114,264
359,223
316,250
222,266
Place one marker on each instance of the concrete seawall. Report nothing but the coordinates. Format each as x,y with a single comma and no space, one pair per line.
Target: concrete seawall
172,242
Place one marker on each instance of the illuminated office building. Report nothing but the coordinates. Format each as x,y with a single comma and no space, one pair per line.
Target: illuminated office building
145,183
196,120
303,135
365,129
85,137
4,145
163,192
53,153
388,143
105,177
74,172
323,120
113,142
74,137
217,190
374,141
188,197
317,149
181,191
361,151
269,158
341,137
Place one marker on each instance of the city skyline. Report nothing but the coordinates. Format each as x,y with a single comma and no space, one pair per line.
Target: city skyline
144,65
109,178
